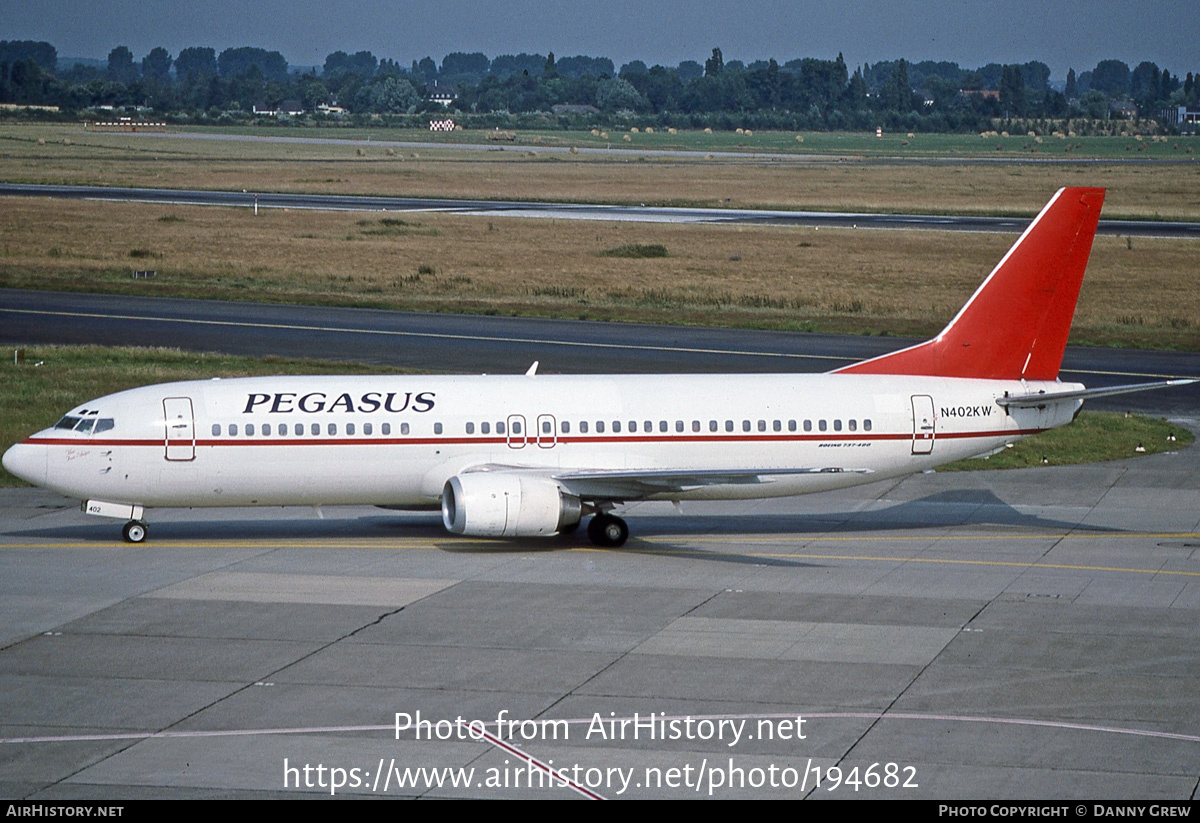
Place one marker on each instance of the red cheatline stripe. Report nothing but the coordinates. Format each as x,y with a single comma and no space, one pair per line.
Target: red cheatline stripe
309,440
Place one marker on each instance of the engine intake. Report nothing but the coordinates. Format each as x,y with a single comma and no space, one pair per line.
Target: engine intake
507,504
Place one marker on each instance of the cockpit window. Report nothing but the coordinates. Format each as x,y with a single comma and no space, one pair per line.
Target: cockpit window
85,425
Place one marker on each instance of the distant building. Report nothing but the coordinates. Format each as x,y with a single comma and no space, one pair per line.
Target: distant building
444,94
1123,109
291,108
985,94
573,108
1181,117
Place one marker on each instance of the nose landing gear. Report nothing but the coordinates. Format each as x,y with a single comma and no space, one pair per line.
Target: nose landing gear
134,531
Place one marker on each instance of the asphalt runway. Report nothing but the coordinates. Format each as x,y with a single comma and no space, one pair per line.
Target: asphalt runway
573,211
476,344
991,635
994,635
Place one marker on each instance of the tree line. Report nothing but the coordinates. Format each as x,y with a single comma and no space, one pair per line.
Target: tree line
804,93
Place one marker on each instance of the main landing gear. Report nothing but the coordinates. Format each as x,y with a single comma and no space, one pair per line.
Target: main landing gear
134,531
608,530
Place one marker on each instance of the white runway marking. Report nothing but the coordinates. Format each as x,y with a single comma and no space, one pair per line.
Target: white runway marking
586,721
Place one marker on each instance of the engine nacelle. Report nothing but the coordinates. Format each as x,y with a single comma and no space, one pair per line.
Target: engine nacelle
507,504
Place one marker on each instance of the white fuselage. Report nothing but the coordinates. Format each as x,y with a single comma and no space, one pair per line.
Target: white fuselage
396,440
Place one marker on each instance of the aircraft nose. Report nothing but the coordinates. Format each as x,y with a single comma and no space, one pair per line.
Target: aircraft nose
27,462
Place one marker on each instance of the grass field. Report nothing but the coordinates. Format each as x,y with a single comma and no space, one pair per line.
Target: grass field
857,281
820,144
58,154
1140,292
55,379
1093,437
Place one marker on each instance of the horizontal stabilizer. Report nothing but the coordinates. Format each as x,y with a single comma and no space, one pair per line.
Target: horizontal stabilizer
1026,401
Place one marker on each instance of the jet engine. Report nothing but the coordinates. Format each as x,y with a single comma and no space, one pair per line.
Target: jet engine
507,504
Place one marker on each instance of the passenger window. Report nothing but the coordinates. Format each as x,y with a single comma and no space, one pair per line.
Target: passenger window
837,425
745,425
500,427
566,427
728,425
791,425
695,425
516,427
648,426
616,427
266,429
437,428
385,428
484,428
470,428
281,429
216,429
866,425
350,428
632,425
777,426
233,429
583,427
808,425
762,425
678,425
330,429
853,424
547,428
599,427
368,428
821,425
315,428
662,425
404,428
299,428
712,425
250,430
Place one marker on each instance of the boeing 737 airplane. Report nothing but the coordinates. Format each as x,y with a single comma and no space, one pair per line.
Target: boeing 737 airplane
525,455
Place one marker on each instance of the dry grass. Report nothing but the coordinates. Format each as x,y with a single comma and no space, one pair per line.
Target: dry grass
1144,191
893,282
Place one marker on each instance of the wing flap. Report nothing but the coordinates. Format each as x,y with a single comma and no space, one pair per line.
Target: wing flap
634,483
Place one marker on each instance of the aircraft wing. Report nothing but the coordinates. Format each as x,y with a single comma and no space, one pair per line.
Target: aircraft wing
633,484
621,484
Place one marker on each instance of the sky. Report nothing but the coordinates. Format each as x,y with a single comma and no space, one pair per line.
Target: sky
1065,34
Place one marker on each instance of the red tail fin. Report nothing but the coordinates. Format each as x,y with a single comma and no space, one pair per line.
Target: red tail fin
1015,325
